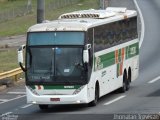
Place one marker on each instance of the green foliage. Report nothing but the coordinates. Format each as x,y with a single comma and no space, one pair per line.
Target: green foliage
19,25
8,59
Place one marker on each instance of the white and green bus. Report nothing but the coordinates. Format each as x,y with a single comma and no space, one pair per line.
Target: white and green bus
81,57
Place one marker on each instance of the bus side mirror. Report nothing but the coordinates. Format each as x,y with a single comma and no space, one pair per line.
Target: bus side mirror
20,57
86,53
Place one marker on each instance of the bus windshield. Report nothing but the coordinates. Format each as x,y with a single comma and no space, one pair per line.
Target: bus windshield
55,63
56,38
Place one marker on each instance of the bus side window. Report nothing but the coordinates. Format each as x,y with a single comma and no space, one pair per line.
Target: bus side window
134,25
100,38
109,35
129,29
118,33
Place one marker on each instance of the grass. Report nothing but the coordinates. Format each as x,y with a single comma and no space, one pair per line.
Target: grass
8,59
6,5
19,25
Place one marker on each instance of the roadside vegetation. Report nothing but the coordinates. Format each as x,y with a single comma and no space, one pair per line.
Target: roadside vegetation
8,59
20,24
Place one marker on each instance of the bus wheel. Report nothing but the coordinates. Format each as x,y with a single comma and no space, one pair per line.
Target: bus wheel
94,102
43,107
128,80
128,85
124,85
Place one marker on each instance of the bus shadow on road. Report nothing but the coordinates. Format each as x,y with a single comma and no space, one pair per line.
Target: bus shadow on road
77,107
82,107
65,108
108,96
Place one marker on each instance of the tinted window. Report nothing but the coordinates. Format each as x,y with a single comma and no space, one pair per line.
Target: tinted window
56,38
115,33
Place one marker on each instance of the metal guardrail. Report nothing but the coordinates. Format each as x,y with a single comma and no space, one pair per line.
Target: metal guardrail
12,73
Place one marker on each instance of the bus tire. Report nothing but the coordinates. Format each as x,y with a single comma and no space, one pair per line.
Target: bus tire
124,85
94,102
43,107
127,85
128,80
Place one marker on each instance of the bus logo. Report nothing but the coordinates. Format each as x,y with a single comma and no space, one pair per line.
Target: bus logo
133,50
98,63
68,87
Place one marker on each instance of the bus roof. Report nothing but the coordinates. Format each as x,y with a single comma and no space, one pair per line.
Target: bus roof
83,20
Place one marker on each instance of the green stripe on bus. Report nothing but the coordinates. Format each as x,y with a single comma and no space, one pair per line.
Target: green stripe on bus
104,61
126,52
49,87
32,86
108,59
119,55
133,50
63,87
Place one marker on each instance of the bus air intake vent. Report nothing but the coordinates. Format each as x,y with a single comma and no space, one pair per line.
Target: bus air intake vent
95,14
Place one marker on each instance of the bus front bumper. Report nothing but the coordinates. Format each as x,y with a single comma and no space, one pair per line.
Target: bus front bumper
79,98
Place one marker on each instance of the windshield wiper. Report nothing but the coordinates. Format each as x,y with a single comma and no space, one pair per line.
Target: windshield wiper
79,66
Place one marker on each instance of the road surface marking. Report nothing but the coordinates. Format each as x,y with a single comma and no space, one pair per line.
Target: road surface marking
16,93
28,105
154,80
13,99
5,114
142,21
3,100
114,100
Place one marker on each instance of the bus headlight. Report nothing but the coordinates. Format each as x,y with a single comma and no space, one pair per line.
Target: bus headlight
32,90
78,90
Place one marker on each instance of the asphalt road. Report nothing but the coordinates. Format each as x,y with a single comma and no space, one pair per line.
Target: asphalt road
142,98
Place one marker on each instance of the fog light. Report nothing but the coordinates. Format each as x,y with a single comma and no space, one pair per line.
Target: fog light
32,90
78,90
78,101
34,102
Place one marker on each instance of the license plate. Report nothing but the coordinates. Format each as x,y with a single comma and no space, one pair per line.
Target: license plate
54,99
